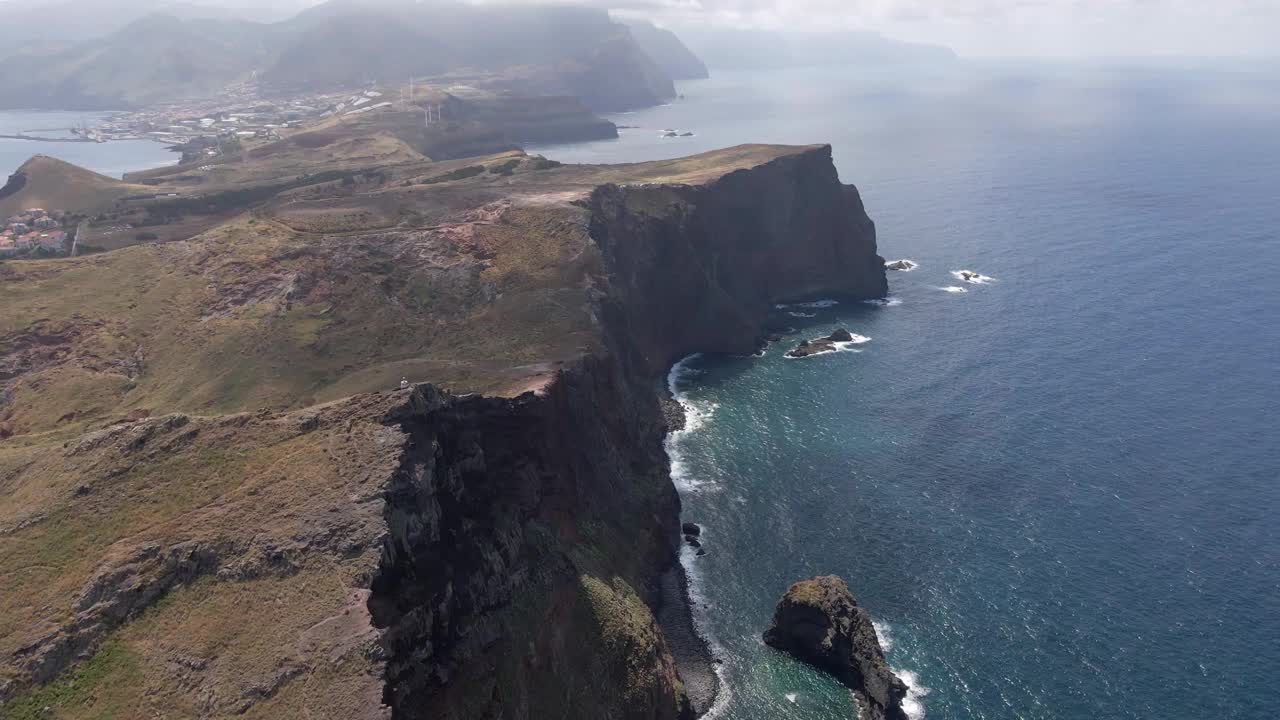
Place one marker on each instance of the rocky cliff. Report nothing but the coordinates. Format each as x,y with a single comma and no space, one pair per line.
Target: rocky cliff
411,554
820,622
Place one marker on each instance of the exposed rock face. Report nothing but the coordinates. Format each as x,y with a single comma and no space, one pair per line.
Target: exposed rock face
819,622
500,592
698,268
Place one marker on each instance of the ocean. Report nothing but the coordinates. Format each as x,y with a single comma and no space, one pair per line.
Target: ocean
1057,492
113,159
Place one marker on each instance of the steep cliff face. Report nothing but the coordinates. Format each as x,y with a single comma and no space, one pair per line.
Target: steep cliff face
529,536
526,540
697,267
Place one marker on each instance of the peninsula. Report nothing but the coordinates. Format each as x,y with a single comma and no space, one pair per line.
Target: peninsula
216,500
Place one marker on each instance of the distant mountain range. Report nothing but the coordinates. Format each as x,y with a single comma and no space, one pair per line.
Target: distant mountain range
42,25
125,54
666,49
189,51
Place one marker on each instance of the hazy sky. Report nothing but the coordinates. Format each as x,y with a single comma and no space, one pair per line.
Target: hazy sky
1019,27
976,27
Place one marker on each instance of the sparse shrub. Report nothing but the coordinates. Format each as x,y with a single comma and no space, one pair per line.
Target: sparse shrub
507,168
459,174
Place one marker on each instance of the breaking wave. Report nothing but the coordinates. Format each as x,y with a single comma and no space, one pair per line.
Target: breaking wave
912,704
953,289
883,634
884,302
696,417
971,277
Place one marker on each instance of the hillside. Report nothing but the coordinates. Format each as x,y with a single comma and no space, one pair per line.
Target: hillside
530,50
214,501
53,184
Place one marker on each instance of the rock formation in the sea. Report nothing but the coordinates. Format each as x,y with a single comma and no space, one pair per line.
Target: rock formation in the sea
236,509
822,345
819,621
902,265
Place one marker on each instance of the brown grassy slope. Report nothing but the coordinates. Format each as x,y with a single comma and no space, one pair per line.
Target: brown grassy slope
257,314
235,517
479,284
56,185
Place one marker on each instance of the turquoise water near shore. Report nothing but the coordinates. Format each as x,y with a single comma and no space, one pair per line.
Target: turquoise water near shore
1057,492
113,159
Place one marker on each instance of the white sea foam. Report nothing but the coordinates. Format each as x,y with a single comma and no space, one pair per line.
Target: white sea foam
884,302
850,346
884,635
696,417
791,697
700,605
912,703
903,265
971,277
953,289
857,340
802,315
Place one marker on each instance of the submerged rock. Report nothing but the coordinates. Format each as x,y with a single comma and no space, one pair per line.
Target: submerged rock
818,346
819,622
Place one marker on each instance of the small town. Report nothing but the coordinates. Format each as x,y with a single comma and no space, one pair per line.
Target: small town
34,232
203,127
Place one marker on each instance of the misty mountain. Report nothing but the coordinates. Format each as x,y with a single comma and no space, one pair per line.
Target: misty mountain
156,58
543,50
536,50
668,51
39,26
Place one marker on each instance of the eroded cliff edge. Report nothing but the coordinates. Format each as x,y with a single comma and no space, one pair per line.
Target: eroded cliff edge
421,554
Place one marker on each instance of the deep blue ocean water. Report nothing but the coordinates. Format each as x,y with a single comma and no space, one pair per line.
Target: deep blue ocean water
1058,493
113,159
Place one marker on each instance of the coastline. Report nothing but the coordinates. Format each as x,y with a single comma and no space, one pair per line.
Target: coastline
689,646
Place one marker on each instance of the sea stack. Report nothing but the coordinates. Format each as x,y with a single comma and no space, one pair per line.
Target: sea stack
819,622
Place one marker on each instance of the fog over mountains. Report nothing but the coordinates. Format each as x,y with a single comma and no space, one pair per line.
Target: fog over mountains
122,54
